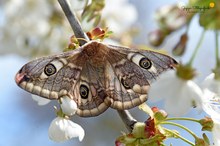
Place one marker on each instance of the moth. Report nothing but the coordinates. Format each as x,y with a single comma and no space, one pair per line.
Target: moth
96,76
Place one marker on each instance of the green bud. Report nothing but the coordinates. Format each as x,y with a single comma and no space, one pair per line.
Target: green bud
205,137
201,142
207,124
156,37
160,115
180,47
185,72
139,130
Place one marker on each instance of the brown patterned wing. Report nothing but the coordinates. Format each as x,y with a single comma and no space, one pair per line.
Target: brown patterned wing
78,74
96,76
90,91
132,72
117,77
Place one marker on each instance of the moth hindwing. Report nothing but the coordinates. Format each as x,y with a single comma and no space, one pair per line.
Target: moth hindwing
96,76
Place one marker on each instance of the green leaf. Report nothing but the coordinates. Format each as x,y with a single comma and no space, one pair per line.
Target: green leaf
210,19
206,139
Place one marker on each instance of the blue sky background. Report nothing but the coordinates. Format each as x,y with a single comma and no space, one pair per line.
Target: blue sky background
24,123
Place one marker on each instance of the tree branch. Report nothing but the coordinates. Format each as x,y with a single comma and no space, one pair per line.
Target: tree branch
74,23
126,117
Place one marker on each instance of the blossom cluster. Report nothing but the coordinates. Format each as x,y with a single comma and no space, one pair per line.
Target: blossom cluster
177,86
39,28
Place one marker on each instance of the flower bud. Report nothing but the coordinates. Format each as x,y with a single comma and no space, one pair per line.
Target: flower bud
156,37
185,72
62,129
96,33
171,17
160,115
201,142
139,130
207,124
180,47
73,39
73,44
68,106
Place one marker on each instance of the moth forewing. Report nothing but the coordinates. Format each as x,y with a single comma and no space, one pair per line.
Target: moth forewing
96,76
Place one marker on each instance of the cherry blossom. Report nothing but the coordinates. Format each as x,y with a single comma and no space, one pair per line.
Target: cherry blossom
62,129
179,95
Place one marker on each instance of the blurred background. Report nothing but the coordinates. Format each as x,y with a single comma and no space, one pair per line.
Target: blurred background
30,29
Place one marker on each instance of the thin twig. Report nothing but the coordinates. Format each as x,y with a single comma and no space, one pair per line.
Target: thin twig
128,120
126,117
77,29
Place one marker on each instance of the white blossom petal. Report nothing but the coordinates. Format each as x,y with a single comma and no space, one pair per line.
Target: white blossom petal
177,107
215,132
164,81
40,100
41,31
76,5
62,129
116,13
211,99
211,104
168,14
68,106
212,84
179,95
183,98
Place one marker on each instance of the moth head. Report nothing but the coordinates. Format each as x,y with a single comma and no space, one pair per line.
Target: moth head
40,77
21,76
26,73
